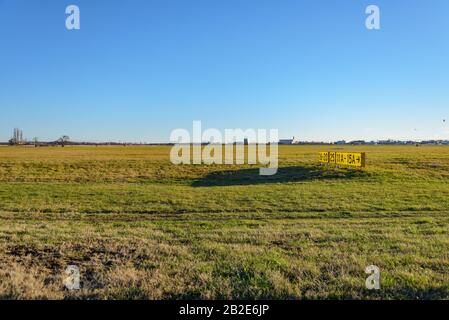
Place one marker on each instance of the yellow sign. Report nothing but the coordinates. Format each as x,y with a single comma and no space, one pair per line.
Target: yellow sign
354,159
332,156
324,157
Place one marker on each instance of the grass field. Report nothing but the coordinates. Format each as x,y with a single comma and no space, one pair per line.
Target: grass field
139,227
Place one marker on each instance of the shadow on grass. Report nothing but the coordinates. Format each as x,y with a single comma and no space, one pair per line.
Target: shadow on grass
283,175
410,293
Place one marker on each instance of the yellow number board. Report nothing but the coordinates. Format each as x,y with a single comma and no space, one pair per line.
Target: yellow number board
354,159
324,157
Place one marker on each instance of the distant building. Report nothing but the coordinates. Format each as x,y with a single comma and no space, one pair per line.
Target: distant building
289,141
340,142
357,142
285,141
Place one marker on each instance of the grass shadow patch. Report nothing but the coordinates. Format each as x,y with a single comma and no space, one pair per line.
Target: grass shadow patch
284,175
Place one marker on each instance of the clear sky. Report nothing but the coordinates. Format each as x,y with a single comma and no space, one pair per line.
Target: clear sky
136,70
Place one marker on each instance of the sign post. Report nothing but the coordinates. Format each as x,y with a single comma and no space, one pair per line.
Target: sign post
351,159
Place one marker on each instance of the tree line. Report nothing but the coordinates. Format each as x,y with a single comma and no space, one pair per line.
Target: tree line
18,139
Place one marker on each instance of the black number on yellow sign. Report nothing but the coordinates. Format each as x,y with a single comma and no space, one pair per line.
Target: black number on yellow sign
350,159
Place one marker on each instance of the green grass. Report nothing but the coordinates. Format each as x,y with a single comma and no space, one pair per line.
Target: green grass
139,227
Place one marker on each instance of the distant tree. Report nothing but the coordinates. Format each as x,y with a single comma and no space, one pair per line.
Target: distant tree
17,137
36,141
63,140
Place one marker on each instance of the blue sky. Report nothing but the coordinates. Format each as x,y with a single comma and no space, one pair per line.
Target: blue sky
139,69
